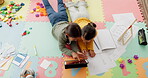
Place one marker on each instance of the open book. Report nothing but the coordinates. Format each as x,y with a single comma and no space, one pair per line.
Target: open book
103,41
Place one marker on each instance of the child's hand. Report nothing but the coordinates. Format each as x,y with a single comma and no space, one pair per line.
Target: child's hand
79,55
92,53
82,55
84,51
75,56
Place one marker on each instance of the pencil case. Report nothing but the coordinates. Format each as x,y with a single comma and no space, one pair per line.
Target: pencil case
142,37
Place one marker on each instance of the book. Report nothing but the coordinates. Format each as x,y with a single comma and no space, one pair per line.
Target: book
103,41
19,59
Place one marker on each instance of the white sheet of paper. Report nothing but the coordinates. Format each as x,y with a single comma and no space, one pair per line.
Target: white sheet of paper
122,48
45,64
100,63
96,65
124,18
117,53
109,62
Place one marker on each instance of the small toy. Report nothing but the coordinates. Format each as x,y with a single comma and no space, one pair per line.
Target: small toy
9,22
122,66
16,9
129,61
45,14
22,4
9,12
41,14
136,57
10,5
11,2
4,8
42,6
38,3
37,10
30,28
28,32
120,60
5,19
37,15
5,13
37,7
17,4
25,33
21,16
16,23
13,11
34,9
16,17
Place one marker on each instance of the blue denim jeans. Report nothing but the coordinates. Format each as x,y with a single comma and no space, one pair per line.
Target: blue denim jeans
56,17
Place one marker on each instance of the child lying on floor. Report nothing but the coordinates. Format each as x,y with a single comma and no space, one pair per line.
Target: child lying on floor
66,34
79,15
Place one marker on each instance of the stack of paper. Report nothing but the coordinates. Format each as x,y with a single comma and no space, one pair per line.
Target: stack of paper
6,52
106,45
5,63
122,23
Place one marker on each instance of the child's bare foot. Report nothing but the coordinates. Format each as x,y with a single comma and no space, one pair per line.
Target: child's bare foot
92,53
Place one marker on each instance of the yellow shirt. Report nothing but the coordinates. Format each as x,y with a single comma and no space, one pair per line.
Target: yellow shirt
84,46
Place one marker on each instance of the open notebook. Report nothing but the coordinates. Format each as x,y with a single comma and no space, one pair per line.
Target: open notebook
103,41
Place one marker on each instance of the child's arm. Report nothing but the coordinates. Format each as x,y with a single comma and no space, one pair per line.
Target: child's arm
81,45
90,45
74,46
91,49
62,43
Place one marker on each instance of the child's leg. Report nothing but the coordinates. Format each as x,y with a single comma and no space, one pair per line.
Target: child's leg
82,7
61,6
62,11
72,10
50,11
